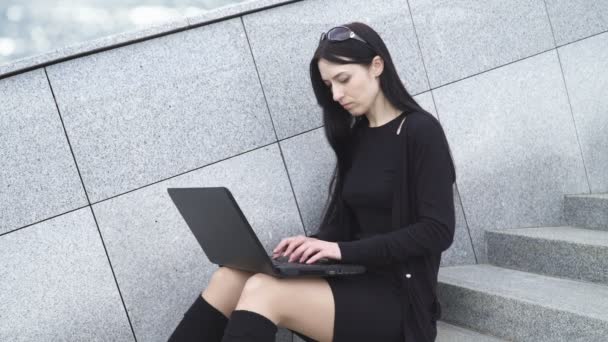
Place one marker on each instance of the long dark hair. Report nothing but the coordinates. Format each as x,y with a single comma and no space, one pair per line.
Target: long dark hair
339,124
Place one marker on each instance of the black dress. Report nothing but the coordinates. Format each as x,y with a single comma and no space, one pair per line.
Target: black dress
368,306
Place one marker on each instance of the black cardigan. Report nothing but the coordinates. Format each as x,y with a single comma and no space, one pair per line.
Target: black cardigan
423,223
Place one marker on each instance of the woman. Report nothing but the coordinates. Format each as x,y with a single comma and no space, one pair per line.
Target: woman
390,208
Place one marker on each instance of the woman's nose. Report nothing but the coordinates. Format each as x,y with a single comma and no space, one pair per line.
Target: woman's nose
338,94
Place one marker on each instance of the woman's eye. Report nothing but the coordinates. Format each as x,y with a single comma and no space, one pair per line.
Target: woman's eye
344,80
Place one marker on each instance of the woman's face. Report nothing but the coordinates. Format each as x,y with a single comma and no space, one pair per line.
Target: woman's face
353,86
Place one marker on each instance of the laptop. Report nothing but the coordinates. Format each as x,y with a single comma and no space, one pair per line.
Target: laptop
227,238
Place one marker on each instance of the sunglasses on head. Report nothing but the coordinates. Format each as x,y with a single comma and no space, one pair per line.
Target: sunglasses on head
339,34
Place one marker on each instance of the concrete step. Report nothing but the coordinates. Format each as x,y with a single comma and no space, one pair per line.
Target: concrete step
567,252
451,333
522,306
587,211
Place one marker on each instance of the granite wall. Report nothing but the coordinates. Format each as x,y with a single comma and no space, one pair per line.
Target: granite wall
92,248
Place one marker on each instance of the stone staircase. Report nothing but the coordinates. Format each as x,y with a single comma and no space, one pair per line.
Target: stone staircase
451,333
541,284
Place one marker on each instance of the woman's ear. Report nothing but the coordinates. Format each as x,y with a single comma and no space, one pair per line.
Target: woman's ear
377,66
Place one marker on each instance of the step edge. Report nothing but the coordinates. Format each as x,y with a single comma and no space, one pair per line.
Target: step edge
594,196
515,232
471,329
529,301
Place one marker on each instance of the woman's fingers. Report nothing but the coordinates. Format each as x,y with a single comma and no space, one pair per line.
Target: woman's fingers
306,253
293,244
295,255
287,245
320,249
321,254
281,246
307,248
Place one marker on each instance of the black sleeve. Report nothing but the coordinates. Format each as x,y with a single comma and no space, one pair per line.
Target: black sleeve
434,230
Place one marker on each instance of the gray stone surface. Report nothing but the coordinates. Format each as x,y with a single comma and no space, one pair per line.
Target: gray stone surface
102,43
38,178
425,100
236,8
57,284
451,333
159,265
112,41
461,38
576,19
310,162
523,306
565,252
514,145
585,65
151,110
282,52
587,211
461,251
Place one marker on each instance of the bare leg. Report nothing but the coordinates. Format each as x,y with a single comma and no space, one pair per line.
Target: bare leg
305,305
224,289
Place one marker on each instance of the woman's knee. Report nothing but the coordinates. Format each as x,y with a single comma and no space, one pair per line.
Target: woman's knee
224,289
259,284
229,276
226,285
260,294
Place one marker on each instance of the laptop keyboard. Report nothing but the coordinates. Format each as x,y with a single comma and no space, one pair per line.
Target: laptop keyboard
283,260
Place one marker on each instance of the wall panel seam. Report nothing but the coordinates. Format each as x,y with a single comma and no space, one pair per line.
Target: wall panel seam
43,220
426,73
567,94
550,23
66,136
198,168
89,205
587,37
295,198
580,148
466,223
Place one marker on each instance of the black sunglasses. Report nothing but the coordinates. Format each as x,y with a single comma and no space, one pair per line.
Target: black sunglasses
340,33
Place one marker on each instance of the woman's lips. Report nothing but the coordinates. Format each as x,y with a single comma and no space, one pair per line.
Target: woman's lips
348,105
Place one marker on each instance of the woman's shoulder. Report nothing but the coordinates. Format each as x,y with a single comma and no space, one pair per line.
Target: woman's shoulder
421,118
422,124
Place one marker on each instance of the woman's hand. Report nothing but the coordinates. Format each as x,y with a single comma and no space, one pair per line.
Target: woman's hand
307,249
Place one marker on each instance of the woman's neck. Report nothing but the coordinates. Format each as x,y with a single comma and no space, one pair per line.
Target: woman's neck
381,112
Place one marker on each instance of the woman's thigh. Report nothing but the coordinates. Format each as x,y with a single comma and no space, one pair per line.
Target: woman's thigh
304,305
225,287
344,309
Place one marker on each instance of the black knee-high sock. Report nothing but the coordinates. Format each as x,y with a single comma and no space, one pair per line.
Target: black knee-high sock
202,322
248,326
